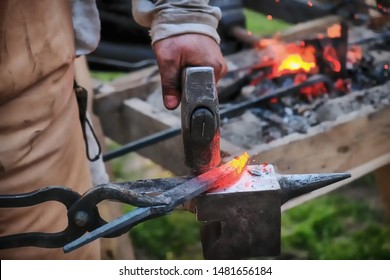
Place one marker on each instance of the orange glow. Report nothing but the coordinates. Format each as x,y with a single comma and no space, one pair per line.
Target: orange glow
294,62
334,31
267,42
292,58
227,174
331,56
269,17
310,91
343,85
354,54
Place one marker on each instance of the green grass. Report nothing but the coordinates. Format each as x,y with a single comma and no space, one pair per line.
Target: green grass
106,76
260,25
170,237
334,227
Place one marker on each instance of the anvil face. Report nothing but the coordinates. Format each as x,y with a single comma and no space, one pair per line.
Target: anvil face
254,178
242,221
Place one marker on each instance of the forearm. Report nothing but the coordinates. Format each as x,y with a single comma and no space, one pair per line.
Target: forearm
169,18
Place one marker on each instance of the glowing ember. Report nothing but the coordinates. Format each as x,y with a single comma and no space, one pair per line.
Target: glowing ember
331,56
228,173
310,91
334,31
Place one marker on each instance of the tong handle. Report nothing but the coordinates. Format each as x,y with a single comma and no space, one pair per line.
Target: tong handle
39,239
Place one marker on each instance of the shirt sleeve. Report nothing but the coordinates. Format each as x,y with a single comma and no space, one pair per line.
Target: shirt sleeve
168,18
86,25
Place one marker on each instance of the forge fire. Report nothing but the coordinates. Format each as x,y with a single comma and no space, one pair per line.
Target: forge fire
322,77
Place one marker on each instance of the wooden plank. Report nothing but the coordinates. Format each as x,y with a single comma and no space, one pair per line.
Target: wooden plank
145,120
306,29
136,84
382,178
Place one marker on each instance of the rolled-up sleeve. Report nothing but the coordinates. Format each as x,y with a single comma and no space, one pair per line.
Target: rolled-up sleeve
169,18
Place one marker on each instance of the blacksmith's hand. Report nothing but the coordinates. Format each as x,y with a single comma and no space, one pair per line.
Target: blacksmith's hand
176,52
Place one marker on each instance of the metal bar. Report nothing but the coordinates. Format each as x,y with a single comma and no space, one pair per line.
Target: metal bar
142,143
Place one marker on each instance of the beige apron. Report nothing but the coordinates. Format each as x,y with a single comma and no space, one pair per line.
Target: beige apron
40,135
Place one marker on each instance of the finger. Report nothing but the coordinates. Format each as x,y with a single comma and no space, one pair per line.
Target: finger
170,78
220,69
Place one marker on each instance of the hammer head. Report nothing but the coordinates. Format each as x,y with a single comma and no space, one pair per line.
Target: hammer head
200,119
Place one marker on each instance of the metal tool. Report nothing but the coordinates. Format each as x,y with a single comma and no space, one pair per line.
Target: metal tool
200,119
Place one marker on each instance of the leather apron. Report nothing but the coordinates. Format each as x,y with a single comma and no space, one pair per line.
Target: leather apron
41,142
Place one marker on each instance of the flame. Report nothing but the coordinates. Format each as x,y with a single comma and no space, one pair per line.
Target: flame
295,58
294,62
